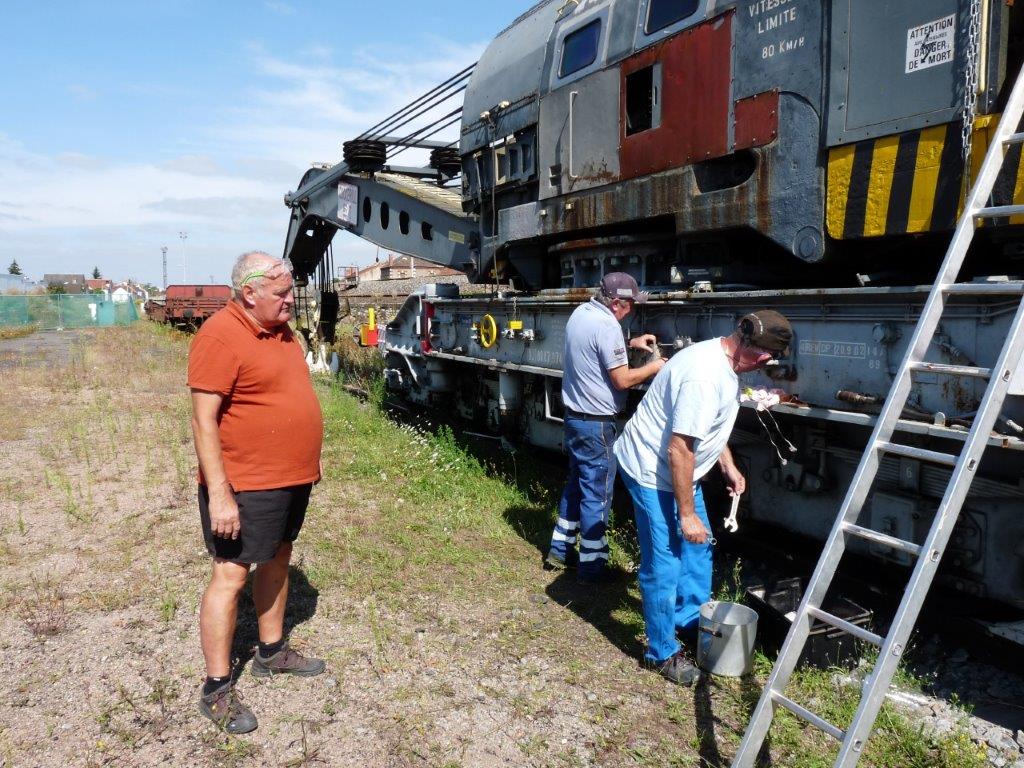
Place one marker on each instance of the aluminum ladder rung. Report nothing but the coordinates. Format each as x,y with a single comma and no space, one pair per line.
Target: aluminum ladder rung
983,289
853,629
952,370
998,211
910,452
884,539
1017,138
808,716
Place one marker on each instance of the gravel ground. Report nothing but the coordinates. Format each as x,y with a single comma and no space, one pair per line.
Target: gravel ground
994,693
102,566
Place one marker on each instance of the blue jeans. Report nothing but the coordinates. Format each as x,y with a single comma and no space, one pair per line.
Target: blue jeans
587,496
675,575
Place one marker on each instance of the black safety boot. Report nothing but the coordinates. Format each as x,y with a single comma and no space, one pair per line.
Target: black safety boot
224,706
286,662
553,562
677,668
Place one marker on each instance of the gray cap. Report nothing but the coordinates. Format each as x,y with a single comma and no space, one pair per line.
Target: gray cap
619,285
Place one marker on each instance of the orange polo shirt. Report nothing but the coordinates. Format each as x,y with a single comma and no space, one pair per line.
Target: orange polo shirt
271,428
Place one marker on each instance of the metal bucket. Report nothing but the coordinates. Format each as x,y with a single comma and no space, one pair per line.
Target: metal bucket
725,640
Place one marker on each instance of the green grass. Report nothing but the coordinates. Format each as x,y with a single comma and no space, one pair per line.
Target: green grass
435,511
895,740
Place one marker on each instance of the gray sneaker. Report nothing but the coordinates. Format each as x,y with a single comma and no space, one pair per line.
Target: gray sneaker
224,706
676,668
286,662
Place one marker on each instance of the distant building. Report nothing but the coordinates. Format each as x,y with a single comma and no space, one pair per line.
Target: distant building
128,291
404,268
70,283
18,284
96,285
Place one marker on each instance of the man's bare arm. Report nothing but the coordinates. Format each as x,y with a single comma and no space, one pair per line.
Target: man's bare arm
681,461
625,377
733,477
224,521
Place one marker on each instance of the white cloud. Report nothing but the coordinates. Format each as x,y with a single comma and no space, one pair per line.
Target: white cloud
278,7
306,109
225,182
81,92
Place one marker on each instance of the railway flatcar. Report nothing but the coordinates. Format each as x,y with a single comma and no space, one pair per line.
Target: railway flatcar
188,306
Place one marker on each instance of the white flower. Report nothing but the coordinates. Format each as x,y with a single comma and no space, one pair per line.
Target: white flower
763,398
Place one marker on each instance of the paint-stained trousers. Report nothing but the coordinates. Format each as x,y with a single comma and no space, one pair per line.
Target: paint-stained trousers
675,575
587,497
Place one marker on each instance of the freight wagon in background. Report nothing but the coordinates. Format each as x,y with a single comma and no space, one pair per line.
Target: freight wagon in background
804,155
188,306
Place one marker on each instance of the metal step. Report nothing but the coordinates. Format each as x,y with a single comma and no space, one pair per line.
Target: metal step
910,452
952,370
999,211
984,289
1017,138
808,716
884,539
852,629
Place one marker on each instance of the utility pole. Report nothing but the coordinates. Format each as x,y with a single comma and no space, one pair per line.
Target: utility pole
184,271
163,251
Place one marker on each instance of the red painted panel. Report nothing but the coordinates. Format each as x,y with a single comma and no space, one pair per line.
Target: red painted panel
756,120
191,291
695,77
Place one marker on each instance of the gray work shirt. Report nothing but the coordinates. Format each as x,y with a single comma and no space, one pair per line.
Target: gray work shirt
594,344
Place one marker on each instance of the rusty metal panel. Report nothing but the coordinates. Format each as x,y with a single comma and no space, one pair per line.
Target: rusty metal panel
756,120
578,145
696,71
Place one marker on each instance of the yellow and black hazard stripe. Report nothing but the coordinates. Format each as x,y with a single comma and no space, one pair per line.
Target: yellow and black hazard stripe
912,182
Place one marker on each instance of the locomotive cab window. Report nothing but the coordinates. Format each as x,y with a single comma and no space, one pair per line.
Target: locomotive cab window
643,108
579,49
665,13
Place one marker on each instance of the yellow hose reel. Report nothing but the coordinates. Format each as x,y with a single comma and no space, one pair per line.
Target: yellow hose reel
488,332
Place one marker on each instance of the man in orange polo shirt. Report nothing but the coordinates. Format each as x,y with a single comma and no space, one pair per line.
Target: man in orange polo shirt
258,432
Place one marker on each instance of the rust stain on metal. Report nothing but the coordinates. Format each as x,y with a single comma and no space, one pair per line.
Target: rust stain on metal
578,294
696,73
763,190
674,193
756,120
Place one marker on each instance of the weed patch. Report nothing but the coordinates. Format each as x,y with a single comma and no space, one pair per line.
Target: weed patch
44,609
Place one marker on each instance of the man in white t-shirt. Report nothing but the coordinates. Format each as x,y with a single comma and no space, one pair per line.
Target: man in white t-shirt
679,431
594,383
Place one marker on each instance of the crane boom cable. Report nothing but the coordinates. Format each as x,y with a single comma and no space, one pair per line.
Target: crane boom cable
414,104
425,110
392,120
452,117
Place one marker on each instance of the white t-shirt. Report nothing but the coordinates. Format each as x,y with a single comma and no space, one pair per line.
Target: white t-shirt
695,394
594,345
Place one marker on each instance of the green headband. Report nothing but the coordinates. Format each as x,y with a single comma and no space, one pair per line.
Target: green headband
264,272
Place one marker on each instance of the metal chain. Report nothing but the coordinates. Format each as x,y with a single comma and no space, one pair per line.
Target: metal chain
970,85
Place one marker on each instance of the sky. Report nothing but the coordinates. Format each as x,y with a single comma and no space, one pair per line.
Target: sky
125,124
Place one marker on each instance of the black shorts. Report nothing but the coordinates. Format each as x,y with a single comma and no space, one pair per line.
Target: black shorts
267,518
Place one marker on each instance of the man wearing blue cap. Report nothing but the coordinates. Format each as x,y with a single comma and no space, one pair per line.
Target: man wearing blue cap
596,377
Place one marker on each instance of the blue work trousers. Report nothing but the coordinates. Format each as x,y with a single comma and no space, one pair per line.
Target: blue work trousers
675,575
587,497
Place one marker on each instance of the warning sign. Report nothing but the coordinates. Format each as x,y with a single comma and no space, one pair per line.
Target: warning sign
931,44
348,204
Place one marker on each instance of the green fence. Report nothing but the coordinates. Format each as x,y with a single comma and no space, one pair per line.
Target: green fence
49,311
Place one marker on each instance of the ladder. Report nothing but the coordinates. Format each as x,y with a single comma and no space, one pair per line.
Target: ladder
881,443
